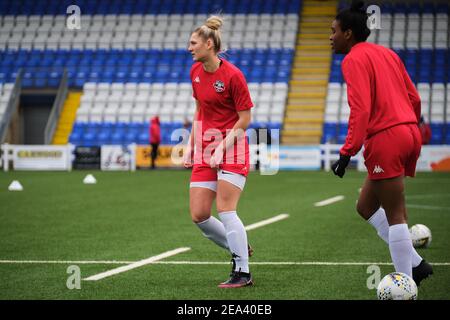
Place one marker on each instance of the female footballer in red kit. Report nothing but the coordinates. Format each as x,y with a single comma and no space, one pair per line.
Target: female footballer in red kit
384,116
217,149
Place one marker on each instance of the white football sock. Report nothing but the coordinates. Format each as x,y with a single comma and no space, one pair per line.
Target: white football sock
400,246
237,239
214,230
379,221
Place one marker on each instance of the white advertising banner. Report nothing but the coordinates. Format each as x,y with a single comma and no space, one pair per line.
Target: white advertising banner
434,158
115,157
273,158
300,157
41,157
267,156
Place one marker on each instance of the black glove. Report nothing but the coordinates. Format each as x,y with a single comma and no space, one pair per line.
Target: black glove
339,166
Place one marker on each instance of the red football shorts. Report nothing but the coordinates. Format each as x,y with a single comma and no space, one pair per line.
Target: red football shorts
201,173
393,152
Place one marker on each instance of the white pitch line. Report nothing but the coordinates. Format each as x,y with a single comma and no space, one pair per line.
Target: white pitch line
65,262
266,222
180,262
298,263
329,201
136,264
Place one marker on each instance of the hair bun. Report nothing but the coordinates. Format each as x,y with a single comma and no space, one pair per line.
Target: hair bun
357,5
214,22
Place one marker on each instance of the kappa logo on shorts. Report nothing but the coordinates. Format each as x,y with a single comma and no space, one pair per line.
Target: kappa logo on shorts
378,169
219,86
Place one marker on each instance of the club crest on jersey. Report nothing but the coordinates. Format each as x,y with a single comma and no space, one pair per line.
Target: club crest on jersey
219,86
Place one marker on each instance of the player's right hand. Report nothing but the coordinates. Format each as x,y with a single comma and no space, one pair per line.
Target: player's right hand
188,157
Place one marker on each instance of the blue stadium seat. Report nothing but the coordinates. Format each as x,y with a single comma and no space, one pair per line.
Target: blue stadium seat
54,78
342,132
88,139
104,137
131,137
40,82
282,76
387,8
106,126
399,8
79,126
428,7
437,133
143,138
447,134
330,132
118,137
442,8
4,75
75,138
413,8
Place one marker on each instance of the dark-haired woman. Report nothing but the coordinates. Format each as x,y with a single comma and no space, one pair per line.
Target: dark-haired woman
384,116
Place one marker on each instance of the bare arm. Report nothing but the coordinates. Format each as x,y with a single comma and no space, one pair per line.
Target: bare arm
191,139
188,156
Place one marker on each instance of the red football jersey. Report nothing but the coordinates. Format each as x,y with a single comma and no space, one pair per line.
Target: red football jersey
380,93
221,94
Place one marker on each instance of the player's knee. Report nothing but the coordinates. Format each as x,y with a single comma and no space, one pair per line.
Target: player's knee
224,206
199,217
225,203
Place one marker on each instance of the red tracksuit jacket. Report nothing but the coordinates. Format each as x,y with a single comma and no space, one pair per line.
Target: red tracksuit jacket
380,93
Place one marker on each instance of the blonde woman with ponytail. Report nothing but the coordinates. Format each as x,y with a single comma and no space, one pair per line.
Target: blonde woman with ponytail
220,163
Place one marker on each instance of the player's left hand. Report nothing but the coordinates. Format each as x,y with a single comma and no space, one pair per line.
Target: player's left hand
217,157
339,166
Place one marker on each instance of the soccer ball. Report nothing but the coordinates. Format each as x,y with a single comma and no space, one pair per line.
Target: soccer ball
397,286
420,236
